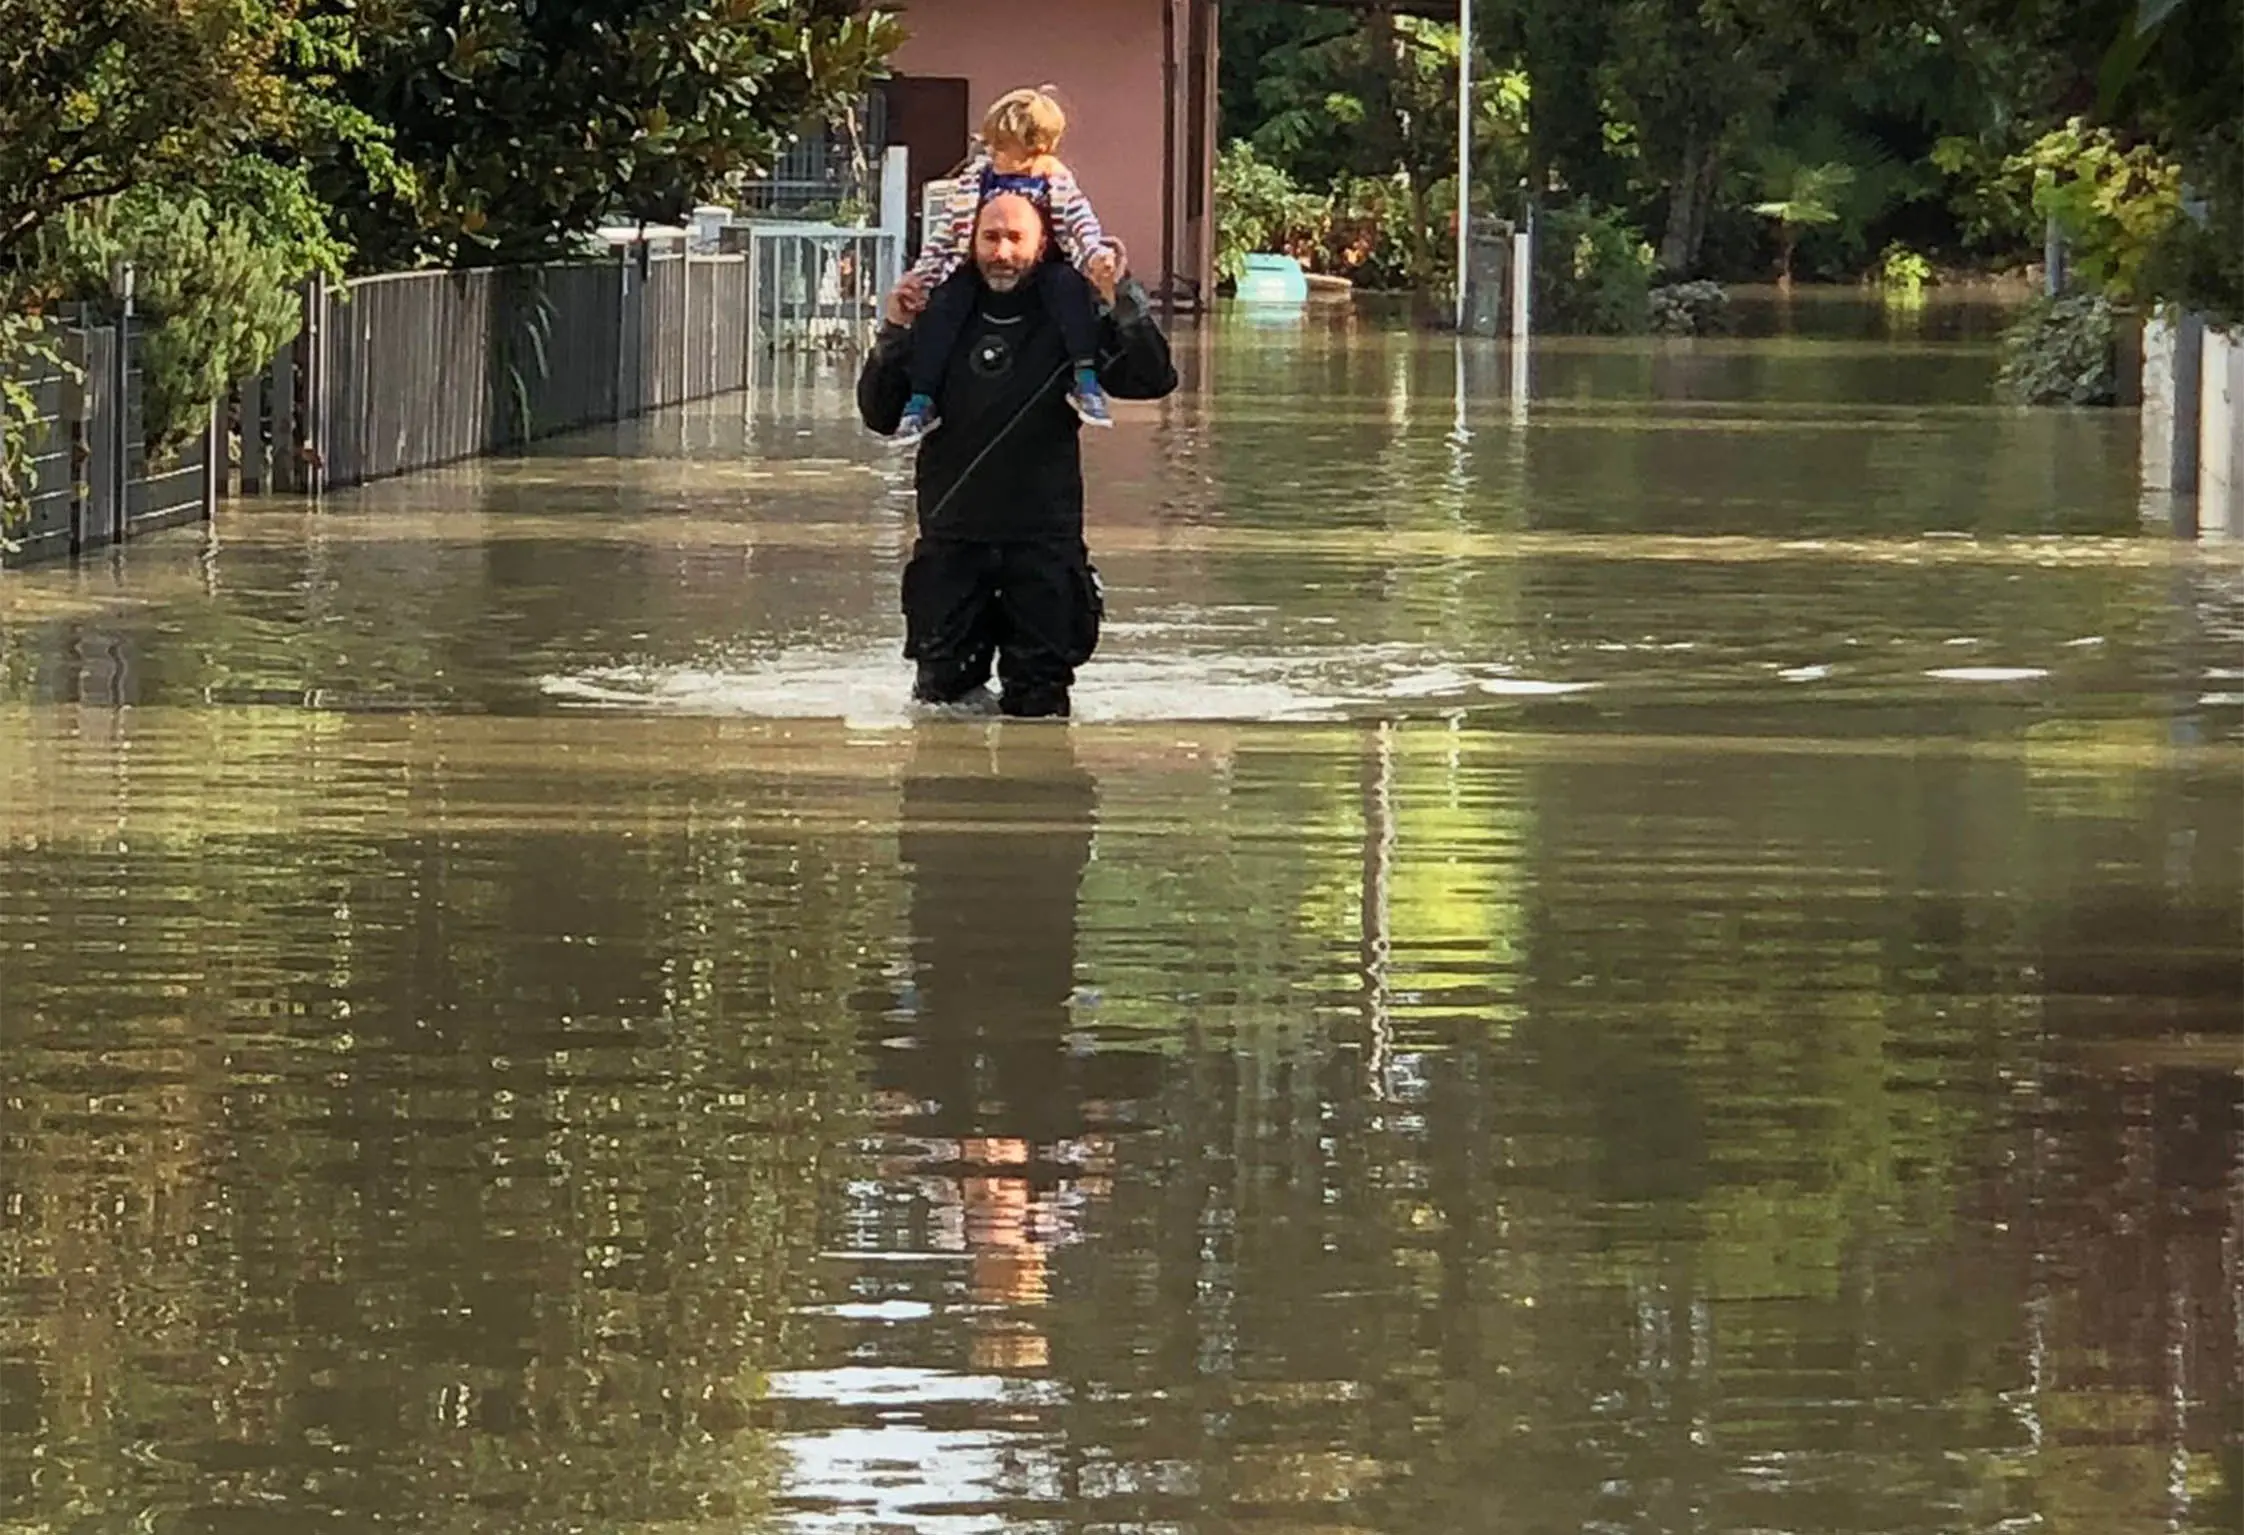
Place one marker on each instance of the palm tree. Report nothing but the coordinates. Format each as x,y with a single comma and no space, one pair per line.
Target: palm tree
1801,197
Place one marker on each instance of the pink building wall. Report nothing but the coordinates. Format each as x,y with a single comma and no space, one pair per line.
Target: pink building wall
1105,58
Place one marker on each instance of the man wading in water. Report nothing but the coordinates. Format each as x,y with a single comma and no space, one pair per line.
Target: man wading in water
999,572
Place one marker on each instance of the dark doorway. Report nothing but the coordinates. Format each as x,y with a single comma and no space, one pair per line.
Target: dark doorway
928,115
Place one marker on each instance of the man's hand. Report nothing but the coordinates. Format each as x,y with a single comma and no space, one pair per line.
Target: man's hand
906,300
1105,271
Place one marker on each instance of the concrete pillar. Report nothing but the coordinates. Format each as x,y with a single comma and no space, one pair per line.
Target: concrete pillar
631,372
2220,436
1523,283
2173,364
895,213
1523,315
214,460
708,228
1487,278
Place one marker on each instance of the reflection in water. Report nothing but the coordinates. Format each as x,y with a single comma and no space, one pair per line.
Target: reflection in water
998,1122
1669,964
437,1168
993,853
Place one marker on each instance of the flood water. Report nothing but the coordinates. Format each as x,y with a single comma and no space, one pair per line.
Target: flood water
1668,956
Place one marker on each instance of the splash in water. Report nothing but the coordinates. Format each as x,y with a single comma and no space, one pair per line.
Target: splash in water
869,685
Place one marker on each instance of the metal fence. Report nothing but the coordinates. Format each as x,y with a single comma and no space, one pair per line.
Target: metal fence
411,370
819,286
94,482
418,369
719,303
55,492
822,170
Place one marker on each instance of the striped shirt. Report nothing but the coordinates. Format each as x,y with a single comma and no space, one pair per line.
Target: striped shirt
1051,185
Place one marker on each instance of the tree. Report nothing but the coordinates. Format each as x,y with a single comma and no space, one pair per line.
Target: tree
1659,108
526,124
1561,48
1801,197
2167,74
2178,71
1278,64
1698,81
99,96
216,291
1366,107
1258,208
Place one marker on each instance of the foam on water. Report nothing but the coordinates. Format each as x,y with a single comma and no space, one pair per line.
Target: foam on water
1152,677
869,685
1988,673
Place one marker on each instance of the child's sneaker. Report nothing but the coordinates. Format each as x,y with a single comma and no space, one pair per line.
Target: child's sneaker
917,421
1089,399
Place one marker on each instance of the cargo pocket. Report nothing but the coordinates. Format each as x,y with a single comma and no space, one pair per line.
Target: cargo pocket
912,598
1090,612
905,589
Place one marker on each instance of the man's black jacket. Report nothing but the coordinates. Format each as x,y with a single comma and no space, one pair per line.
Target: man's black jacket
1008,382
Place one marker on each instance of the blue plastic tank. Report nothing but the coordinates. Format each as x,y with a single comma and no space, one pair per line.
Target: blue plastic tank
1272,279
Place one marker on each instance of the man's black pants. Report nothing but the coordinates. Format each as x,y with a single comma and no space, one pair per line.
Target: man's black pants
1031,608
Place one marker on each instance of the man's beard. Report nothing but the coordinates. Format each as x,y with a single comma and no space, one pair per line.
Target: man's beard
1003,279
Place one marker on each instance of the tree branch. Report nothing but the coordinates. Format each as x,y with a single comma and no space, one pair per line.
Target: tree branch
28,222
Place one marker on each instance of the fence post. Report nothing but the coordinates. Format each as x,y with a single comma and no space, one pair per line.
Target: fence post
72,423
124,286
685,326
627,338
1523,281
749,329
100,414
120,428
280,388
2220,428
253,434
2173,371
315,385
214,459
895,209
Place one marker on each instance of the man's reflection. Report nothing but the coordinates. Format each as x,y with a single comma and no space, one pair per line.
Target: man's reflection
1009,1120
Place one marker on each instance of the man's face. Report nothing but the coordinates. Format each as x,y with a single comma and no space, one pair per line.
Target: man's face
1008,241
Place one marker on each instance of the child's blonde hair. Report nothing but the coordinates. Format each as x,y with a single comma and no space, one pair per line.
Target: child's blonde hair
1025,122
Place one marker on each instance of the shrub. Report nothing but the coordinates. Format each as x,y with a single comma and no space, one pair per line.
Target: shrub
2117,205
1366,232
27,342
1258,208
1902,272
1593,272
2061,352
217,290
1699,308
